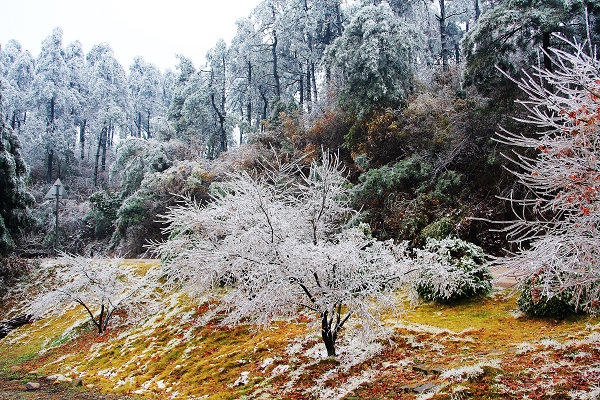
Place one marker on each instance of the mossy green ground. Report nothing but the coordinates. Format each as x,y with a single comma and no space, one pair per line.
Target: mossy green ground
183,352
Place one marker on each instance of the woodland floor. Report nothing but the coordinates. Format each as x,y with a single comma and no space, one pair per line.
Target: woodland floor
478,349
12,387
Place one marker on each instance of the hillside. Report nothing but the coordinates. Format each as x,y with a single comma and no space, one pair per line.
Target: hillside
481,348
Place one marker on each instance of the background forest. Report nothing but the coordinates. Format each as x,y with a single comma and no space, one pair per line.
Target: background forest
407,92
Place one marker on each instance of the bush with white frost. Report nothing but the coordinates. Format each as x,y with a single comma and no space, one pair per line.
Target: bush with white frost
101,286
451,269
279,241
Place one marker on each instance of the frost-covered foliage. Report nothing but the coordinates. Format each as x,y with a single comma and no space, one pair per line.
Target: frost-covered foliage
378,53
451,269
14,198
280,242
511,32
103,211
557,230
137,158
533,302
101,286
136,223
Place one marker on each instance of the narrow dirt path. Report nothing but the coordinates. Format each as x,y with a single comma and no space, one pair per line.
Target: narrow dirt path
13,388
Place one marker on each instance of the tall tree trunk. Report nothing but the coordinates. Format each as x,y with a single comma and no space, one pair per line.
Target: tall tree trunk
546,47
249,104
52,113
82,137
301,86
457,53
275,68
221,117
149,134
443,35
313,80
308,87
98,149
139,124
328,335
263,95
477,10
104,143
13,123
49,170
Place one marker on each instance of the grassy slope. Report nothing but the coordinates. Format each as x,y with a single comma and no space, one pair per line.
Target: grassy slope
183,352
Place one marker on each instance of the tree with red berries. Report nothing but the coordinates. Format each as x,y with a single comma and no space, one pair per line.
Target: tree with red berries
557,230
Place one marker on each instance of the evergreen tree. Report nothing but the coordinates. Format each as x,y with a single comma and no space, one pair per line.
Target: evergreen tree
14,198
52,101
510,35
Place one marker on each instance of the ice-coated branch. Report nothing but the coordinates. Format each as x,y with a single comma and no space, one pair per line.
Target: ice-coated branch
557,232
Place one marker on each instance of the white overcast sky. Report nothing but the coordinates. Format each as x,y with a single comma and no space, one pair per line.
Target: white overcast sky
155,30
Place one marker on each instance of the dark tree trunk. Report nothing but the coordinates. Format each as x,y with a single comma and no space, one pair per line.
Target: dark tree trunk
313,80
49,170
301,86
51,114
546,47
98,149
104,145
308,88
275,68
263,95
149,134
112,134
221,116
328,335
82,137
13,123
443,35
457,53
139,124
249,104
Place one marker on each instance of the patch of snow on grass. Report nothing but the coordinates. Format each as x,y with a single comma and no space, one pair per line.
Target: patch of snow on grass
462,374
594,394
349,386
524,347
280,369
553,344
266,362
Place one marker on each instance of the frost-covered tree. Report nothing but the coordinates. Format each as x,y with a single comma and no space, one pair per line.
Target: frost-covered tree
14,198
146,86
109,100
557,232
278,240
510,34
136,158
79,84
376,55
177,113
218,59
51,100
101,287
16,70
